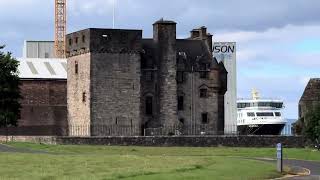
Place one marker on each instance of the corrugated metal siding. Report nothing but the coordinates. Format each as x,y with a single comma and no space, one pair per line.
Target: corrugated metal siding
39,49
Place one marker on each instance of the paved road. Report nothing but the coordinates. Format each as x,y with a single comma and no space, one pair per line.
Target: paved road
313,166
6,148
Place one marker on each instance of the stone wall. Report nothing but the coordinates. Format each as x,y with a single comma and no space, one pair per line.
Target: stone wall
171,141
310,98
115,91
43,108
79,94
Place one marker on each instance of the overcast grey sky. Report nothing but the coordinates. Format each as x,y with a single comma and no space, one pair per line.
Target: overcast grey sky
278,41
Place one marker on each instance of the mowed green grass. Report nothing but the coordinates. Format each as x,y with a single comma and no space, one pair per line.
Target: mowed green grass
104,162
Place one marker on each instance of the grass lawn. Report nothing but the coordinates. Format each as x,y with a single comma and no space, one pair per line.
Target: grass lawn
103,162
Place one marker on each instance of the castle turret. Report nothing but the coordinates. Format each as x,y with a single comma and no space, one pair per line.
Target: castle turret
164,36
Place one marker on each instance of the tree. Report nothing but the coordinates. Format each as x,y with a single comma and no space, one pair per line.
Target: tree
9,90
311,127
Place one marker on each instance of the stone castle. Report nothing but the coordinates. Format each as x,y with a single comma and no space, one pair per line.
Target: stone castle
122,84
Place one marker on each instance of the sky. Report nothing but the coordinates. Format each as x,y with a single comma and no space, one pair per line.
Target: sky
278,41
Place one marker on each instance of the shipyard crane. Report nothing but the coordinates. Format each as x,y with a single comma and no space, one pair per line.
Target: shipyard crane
60,28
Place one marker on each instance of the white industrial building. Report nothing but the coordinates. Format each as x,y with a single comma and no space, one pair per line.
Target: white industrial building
226,52
38,49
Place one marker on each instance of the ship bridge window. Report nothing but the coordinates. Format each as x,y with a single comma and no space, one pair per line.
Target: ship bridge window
264,113
250,114
243,105
264,104
277,114
276,105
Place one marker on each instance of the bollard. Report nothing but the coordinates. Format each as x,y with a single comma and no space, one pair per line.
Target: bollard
279,157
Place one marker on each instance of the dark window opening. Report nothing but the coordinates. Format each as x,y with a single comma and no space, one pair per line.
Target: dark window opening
77,40
181,120
76,67
204,118
203,93
277,114
70,42
83,38
149,110
180,77
180,103
264,114
243,105
149,76
250,114
149,64
204,71
84,97
204,75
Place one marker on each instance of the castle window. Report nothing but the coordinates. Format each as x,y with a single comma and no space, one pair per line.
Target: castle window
204,118
76,67
83,38
149,109
180,103
84,97
181,120
203,93
70,42
204,75
180,77
77,40
204,71
149,76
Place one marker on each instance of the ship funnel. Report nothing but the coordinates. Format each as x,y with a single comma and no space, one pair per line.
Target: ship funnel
255,94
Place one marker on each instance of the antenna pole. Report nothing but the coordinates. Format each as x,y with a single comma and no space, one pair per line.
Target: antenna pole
113,14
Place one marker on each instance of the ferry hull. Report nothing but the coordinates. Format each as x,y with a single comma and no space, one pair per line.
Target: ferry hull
261,129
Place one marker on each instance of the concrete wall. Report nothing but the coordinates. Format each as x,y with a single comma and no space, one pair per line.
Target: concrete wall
229,60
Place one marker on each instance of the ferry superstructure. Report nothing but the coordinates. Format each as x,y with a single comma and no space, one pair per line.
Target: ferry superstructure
260,116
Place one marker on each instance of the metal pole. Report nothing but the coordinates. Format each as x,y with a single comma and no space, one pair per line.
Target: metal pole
113,14
6,130
279,157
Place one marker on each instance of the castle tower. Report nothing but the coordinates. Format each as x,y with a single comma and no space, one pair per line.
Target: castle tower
104,82
164,36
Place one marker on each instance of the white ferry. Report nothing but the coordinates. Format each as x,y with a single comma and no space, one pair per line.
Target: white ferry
260,116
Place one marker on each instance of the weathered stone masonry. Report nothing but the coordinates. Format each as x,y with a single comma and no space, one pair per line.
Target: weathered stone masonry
121,84
43,108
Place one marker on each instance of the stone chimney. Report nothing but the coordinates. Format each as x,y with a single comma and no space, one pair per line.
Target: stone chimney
201,34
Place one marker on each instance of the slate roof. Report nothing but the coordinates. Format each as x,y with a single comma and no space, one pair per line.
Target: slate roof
192,48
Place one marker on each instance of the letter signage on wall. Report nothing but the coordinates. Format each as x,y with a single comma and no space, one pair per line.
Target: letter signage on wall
224,50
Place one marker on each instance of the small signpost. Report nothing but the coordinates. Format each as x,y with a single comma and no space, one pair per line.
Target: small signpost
279,157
